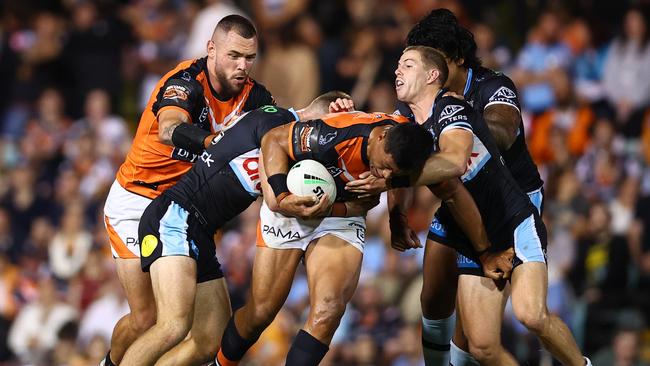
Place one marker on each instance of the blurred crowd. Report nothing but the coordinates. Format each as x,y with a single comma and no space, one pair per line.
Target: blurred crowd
77,73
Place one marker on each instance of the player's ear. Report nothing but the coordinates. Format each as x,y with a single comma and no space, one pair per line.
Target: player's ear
460,62
211,48
432,76
384,132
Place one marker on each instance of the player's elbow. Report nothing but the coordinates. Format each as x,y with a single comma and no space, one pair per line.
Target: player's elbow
272,203
458,167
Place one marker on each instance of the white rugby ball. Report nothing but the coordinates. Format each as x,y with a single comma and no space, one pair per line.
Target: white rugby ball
311,178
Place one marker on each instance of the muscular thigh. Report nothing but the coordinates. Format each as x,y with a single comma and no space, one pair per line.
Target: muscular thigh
273,272
136,285
440,275
480,308
211,310
333,267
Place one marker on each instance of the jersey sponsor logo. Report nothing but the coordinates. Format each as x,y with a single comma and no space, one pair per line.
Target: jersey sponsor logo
149,244
305,144
278,233
130,241
183,155
478,157
324,140
503,93
269,109
176,92
207,158
450,110
438,228
464,262
246,167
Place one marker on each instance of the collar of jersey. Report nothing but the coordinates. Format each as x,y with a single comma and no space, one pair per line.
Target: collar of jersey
468,82
295,115
214,92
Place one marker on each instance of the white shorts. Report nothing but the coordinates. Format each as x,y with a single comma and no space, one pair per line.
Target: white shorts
122,213
280,232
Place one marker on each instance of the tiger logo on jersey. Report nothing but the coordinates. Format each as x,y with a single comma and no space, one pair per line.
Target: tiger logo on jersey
176,92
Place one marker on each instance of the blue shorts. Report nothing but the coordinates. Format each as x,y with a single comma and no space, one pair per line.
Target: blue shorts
528,239
167,229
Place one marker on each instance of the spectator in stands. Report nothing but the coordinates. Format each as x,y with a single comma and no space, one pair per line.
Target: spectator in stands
541,63
70,246
626,75
34,333
625,347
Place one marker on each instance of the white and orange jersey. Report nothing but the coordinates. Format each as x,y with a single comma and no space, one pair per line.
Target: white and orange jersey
151,166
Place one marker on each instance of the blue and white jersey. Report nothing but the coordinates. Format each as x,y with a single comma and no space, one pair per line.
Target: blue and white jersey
501,202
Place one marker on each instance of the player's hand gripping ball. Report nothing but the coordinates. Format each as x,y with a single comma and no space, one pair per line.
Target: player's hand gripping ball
311,178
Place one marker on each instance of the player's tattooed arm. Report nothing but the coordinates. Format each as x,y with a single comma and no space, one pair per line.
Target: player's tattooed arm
503,121
168,120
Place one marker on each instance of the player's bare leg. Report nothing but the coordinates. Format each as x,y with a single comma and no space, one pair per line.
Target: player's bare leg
142,315
174,285
273,272
459,353
480,307
529,286
333,268
440,275
211,314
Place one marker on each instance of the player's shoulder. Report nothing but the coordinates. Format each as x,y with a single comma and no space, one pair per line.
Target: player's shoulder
270,112
449,105
484,75
188,71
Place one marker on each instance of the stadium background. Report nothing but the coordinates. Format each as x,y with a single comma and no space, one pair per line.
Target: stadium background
76,73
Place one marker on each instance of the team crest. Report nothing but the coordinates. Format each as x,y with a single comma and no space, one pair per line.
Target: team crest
176,92
450,110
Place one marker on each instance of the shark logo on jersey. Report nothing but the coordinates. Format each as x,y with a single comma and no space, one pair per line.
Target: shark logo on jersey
450,110
503,93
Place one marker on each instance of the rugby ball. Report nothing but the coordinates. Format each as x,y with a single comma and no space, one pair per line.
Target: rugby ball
309,178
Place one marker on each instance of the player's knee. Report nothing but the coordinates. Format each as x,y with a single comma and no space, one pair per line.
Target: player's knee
262,315
327,313
533,319
484,350
174,330
142,321
206,346
436,307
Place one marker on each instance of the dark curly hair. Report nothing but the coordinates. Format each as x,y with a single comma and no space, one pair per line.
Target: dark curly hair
440,30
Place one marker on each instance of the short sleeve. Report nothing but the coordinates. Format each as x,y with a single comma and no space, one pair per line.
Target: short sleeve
452,114
499,90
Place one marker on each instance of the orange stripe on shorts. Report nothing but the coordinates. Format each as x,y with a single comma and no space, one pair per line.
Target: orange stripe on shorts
116,242
260,240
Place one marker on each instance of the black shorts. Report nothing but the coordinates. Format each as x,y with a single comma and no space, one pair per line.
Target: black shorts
167,229
528,238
